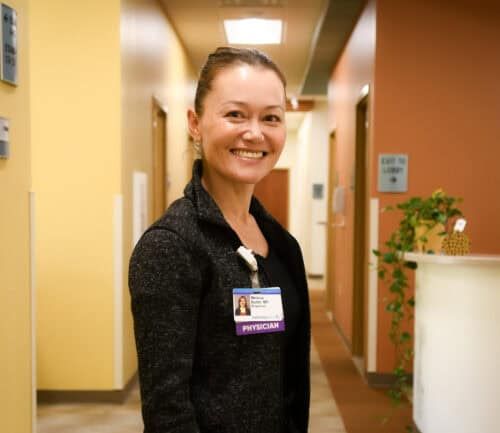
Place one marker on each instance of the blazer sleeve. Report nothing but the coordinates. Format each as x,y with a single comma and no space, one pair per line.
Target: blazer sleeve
165,286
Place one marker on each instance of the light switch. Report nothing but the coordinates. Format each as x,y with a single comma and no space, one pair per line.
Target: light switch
4,138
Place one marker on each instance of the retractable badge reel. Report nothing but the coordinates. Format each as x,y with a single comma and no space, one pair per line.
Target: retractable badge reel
257,310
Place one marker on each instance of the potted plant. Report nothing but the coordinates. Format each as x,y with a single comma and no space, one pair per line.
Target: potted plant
423,219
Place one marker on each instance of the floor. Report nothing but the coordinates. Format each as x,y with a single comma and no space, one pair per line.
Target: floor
363,409
341,402
126,418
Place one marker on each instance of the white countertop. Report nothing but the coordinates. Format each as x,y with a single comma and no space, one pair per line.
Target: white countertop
470,259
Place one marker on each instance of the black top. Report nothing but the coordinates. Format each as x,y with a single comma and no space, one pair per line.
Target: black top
277,275
196,375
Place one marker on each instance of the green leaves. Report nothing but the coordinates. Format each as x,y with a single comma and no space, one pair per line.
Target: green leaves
411,265
405,336
398,274
393,269
389,258
393,307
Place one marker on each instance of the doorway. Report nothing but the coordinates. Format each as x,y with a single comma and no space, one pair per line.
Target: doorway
273,192
360,260
159,160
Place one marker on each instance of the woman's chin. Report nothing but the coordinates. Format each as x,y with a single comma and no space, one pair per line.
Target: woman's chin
248,178
250,175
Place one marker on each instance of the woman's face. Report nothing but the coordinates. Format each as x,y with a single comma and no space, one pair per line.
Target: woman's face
243,302
242,128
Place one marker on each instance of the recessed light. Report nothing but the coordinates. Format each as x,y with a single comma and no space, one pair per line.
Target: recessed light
253,31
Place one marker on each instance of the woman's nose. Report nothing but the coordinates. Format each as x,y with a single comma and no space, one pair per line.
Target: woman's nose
253,133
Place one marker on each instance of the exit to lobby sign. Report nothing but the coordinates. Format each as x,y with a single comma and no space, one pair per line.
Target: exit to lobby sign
392,172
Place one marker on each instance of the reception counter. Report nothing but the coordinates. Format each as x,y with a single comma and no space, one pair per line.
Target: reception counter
457,344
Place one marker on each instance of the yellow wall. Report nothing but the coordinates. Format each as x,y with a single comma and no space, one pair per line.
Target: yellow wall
15,296
75,77
153,64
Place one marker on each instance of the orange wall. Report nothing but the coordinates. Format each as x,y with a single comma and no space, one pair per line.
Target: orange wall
433,69
438,100
353,71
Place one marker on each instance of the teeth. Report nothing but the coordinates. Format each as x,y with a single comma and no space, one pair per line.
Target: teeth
248,154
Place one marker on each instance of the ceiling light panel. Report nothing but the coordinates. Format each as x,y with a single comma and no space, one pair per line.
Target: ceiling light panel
253,31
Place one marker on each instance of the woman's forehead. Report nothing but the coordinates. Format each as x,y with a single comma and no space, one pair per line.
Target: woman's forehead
247,84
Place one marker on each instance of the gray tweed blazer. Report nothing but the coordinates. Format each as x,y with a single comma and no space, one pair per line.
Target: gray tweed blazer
196,375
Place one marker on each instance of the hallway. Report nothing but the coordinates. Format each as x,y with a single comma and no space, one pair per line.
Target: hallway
356,408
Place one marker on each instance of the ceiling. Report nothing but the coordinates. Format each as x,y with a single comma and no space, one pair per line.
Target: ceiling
314,34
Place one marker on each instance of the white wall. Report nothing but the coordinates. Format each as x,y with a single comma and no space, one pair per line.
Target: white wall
308,162
287,161
289,154
318,168
300,215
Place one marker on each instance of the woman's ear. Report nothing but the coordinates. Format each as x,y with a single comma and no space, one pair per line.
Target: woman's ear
194,125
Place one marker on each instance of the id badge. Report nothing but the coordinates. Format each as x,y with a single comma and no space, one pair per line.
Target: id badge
258,310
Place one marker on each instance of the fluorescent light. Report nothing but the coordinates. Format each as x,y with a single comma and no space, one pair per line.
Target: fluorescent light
294,102
253,31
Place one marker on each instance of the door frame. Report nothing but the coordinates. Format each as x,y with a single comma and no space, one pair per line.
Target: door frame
159,174
330,234
360,231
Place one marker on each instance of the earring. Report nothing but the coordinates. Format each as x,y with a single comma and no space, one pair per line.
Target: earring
197,147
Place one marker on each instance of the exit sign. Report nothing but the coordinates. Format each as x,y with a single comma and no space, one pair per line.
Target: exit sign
392,172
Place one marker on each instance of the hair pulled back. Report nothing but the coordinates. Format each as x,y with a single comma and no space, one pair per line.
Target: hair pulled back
224,57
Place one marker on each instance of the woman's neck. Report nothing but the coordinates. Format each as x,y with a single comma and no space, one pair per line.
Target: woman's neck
232,198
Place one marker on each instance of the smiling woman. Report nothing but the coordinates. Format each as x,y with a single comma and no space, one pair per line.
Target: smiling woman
195,371
242,126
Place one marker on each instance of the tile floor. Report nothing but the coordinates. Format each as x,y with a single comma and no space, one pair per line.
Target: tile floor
126,418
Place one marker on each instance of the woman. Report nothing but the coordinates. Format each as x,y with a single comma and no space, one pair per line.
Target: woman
196,374
242,309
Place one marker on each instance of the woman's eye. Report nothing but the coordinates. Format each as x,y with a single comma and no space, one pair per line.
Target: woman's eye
235,114
272,118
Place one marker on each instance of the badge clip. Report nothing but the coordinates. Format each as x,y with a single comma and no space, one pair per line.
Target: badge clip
250,260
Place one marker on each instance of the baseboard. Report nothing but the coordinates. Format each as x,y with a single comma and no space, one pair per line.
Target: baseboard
383,380
91,396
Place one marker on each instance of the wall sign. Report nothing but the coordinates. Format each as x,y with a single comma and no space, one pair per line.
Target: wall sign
8,49
318,189
4,138
393,172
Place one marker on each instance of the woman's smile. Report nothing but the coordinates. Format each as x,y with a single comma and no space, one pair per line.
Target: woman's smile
248,154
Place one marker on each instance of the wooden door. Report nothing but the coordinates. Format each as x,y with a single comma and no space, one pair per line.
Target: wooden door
272,192
159,160
360,259
330,247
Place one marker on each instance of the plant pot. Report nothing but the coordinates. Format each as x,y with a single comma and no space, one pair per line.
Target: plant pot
434,240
